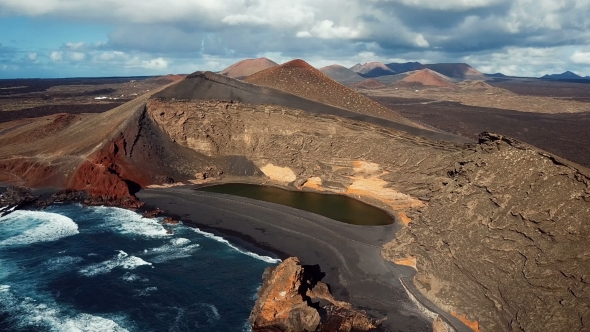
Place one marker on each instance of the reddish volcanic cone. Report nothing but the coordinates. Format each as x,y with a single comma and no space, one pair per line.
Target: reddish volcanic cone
371,83
247,67
301,79
428,77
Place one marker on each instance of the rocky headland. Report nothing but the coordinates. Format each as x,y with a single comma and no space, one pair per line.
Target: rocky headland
286,303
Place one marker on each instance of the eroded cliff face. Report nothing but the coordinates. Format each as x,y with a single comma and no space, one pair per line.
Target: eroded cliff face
310,152
498,231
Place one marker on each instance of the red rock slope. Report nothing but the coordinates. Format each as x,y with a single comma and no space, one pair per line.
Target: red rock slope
247,67
301,79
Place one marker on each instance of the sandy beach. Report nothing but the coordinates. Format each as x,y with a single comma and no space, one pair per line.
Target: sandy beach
350,255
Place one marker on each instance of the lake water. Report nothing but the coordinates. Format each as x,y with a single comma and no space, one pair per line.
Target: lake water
337,207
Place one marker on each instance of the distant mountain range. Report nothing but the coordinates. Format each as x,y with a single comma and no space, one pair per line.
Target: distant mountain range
453,70
372,69
568,75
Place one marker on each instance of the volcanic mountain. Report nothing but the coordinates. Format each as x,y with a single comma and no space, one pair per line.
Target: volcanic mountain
247,67
568,75
495,229
370,83
405,67
301,79
372,69
340,73
456,70
428,77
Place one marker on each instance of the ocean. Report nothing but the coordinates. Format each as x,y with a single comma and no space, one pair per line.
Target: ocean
74,268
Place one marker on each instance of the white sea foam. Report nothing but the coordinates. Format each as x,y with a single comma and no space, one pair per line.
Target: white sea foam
62,262
178,248
147,291
131,277
129,222
226,242
27,227
27,312
122,259
4,288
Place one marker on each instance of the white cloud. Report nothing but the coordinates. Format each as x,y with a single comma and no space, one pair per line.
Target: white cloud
108,56
326,29
158,63
77,56
580,57
56,56
75,46
33,56
421,41
303,34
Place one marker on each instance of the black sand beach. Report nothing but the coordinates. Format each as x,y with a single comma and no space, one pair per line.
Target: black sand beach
350,255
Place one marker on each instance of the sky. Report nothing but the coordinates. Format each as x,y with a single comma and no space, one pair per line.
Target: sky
76,38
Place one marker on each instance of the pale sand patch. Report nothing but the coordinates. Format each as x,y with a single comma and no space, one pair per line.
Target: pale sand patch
279,174
375,187
408,261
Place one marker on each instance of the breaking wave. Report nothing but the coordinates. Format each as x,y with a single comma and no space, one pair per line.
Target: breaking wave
178,248
226,242
129,222
26,312
28,227
122,259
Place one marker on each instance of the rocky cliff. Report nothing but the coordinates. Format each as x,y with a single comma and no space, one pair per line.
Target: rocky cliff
286,303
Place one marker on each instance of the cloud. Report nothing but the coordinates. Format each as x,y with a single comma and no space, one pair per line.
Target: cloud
327,30
158,63
420,41
581,57
56,56
303,34
77,56
212,32
75,46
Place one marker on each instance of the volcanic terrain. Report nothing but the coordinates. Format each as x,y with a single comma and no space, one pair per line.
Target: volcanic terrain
372,69
340,73
495,229
427,77
370,83
301,79
247,67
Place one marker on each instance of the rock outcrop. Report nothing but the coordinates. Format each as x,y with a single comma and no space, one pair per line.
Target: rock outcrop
285,303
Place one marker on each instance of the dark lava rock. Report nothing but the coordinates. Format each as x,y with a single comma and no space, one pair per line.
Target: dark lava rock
15,197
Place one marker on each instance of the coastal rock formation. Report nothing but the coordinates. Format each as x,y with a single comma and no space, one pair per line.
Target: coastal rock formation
285,303
15,197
